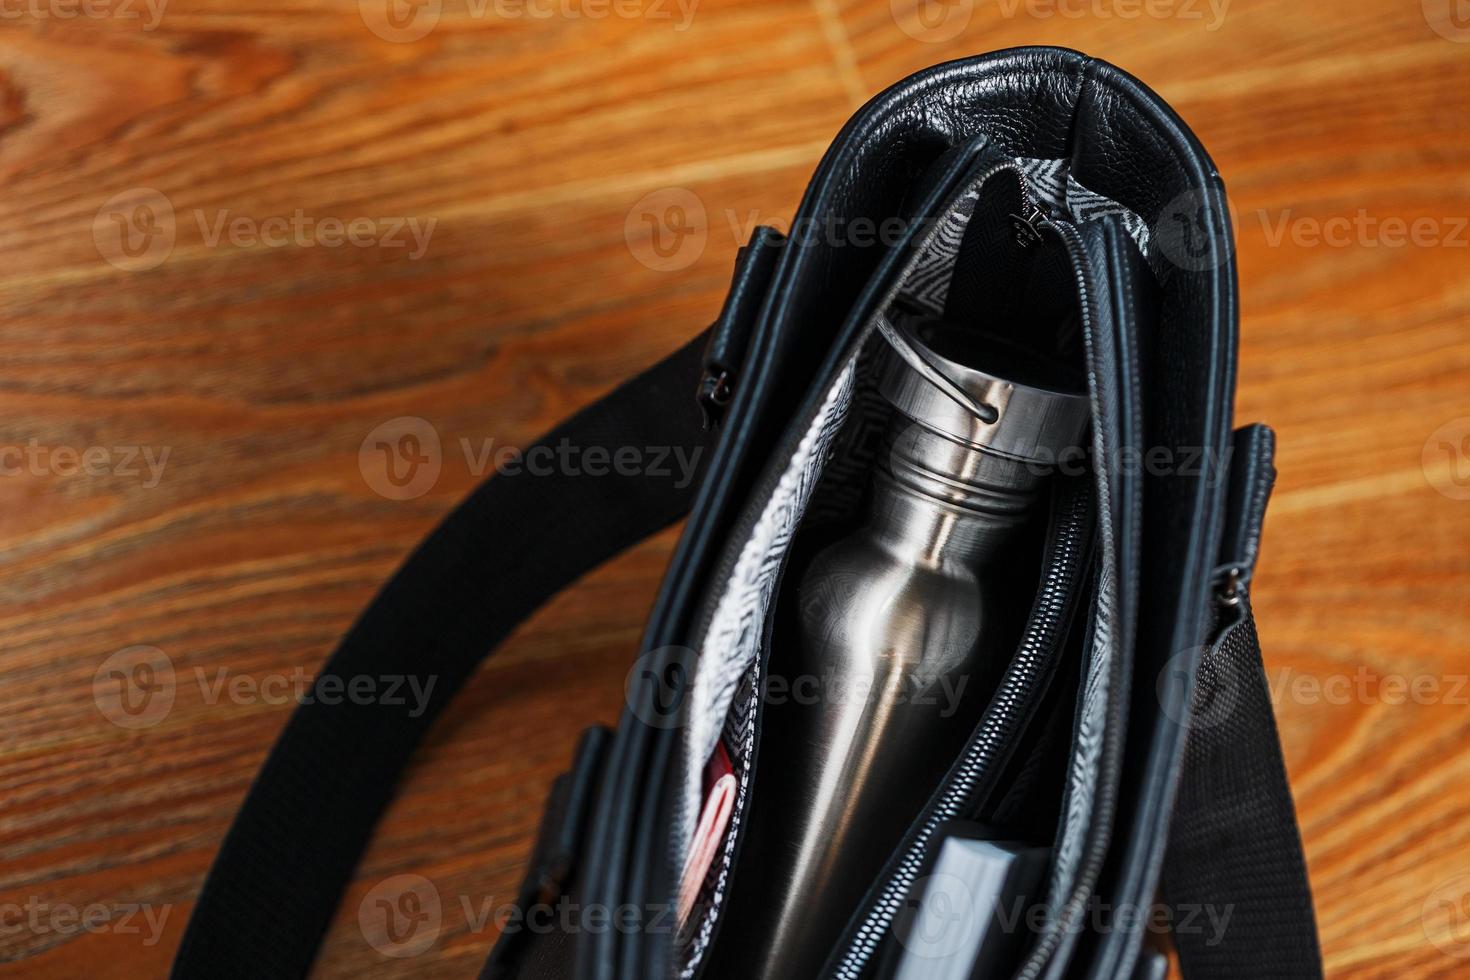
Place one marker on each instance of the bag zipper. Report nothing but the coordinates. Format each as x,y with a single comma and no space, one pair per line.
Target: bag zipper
1104,809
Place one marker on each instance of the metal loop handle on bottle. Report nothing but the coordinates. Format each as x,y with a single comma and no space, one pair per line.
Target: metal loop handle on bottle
916,360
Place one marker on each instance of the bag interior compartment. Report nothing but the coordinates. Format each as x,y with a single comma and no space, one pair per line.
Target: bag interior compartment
820,494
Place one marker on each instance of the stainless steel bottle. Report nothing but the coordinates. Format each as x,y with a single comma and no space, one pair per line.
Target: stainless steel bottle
897,642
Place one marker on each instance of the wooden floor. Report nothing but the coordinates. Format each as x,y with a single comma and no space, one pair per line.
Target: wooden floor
259,358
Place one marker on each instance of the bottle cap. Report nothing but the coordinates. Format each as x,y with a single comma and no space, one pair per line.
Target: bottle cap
963,383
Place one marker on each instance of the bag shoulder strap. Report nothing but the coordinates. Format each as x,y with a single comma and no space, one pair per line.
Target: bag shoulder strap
1234,859
514,543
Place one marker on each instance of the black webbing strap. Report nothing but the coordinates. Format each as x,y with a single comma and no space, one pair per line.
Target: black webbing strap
515,542
1234,862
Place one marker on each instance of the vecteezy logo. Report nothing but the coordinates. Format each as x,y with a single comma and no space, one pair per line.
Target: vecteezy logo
932,21
401,915
401,458
658,684
1446,459
134,687
1210,701
1445,917
400,21
1450,19
1193,230
829,594
666,230
941,920
135,230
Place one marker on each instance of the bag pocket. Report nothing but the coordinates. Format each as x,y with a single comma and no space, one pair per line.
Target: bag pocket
821,481
1113,283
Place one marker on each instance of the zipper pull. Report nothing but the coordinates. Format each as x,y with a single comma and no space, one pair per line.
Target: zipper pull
1229,581
714,394
1028,225
1250,470
724,354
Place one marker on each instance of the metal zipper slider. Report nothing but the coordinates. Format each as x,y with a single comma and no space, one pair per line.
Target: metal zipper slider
1251,474
1229,581
729,337
714,394
1028,225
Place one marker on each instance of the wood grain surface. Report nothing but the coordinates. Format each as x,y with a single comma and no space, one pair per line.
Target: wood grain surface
522,135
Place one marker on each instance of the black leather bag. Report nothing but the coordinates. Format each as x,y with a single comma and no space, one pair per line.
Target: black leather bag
1175,796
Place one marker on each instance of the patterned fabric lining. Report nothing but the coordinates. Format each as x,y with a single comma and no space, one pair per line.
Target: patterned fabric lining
736,631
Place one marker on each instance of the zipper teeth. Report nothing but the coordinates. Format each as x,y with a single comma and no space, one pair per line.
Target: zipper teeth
1041,639
1105,801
